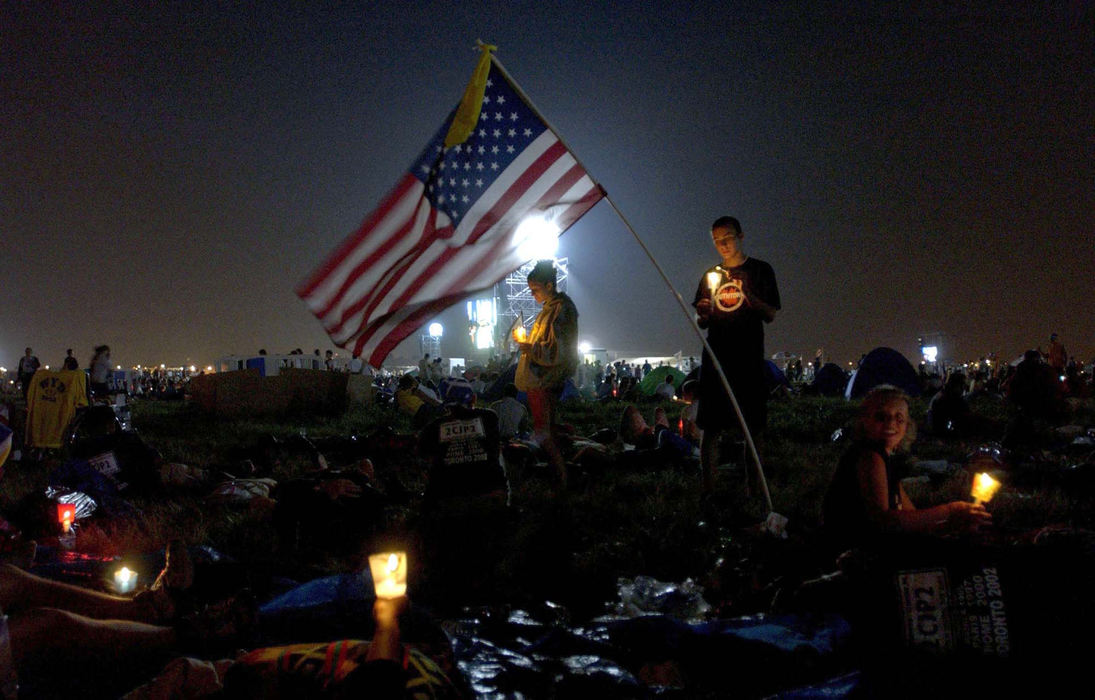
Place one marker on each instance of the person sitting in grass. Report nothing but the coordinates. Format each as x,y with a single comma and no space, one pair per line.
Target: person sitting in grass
949,414
666,391
513,420
689,430
463,447
865,499
412,401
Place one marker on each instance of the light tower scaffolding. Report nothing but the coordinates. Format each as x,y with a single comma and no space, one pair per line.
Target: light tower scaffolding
430,344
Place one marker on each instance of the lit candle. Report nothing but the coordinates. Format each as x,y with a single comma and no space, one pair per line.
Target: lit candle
389,571
125,580
520,334
66,513
713,279
984,488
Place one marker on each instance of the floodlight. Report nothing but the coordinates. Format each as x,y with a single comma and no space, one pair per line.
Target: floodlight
537,238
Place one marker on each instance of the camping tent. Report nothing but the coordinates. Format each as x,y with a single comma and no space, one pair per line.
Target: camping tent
830,380
774,376
656,376
883,366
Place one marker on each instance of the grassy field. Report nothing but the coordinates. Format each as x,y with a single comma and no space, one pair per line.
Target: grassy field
569,548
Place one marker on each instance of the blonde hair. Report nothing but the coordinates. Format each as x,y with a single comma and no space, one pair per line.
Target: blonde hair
877,398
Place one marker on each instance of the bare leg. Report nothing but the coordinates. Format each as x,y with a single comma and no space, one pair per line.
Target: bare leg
20,590
45,635
542,406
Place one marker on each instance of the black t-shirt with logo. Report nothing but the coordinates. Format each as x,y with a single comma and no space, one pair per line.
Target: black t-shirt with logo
735,331
464,451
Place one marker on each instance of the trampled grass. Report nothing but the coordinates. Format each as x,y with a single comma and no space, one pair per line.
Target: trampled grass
569,548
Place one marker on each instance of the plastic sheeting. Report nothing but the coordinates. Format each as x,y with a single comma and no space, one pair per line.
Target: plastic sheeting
504,653
629,657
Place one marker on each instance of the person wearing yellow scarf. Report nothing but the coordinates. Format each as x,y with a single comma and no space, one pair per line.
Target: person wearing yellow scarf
548,358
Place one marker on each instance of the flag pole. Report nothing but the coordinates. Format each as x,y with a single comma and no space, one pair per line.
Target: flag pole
680,301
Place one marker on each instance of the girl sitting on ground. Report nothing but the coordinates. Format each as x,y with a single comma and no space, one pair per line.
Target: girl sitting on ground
865,499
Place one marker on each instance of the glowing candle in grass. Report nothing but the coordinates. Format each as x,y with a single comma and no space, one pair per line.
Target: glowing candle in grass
713,279
125,580
389,570
66,513
984,488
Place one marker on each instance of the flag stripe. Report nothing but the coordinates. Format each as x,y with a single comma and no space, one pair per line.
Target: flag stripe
452,292
349,248
389,245
426,260
403,242
507,202
449,226
367,301
400,329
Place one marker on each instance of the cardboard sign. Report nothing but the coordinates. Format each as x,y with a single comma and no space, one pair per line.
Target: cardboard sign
462,430
106,464
925,609
946,611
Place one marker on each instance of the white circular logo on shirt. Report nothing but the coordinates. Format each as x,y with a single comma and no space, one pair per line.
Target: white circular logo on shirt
729,297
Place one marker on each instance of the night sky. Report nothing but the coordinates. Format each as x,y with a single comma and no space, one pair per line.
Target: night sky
171,173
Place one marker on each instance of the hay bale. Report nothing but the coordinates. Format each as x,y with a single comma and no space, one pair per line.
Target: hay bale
313,390
360,389
247,393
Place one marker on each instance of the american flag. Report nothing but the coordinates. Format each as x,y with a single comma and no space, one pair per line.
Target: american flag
450,226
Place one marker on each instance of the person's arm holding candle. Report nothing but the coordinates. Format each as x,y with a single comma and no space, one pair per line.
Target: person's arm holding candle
947,518
386,640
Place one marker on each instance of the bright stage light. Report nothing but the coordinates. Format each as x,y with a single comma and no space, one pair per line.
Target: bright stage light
537,238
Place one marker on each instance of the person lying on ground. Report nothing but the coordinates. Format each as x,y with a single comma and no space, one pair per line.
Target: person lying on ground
634,430
90,630
328,510
352,668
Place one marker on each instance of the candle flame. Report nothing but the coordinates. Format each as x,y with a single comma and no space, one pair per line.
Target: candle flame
389,574
984,487
124,574
713,279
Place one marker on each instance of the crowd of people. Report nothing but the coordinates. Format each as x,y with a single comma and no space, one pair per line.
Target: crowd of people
864,509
